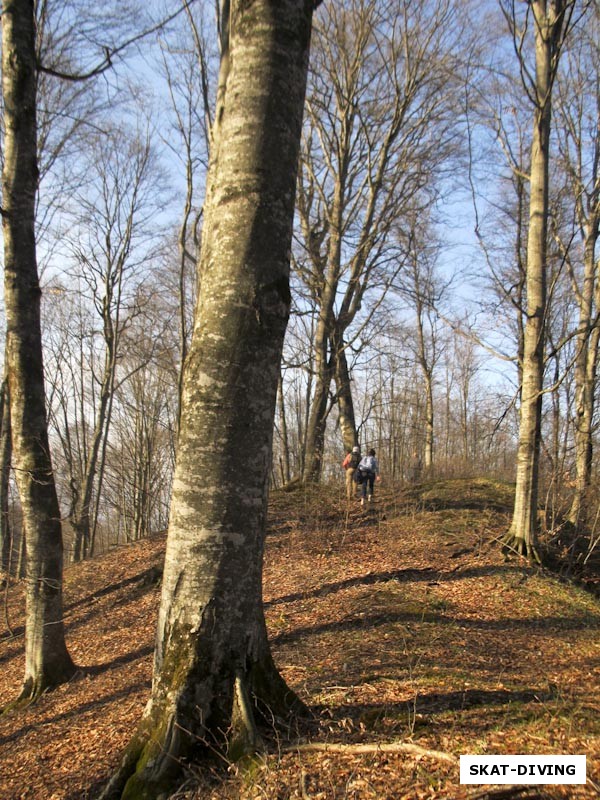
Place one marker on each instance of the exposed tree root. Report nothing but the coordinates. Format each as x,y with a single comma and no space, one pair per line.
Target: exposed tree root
517,545
372,747
166,740
33,689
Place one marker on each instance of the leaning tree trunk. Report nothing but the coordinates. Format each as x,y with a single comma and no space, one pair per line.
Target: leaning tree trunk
522,534
47,661
213,668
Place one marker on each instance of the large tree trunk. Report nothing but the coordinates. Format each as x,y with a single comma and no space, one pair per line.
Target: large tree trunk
213,666
47,661
523,530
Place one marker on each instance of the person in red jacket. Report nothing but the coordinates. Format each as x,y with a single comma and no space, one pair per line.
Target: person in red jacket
350,463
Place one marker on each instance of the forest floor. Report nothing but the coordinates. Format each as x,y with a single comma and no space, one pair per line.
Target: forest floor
402,623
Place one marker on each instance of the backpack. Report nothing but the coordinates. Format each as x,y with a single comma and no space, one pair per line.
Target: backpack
366,465
354,461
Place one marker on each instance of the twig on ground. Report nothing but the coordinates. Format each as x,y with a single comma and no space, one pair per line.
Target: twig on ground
372,747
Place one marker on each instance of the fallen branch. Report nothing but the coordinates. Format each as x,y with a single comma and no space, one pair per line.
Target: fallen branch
372,747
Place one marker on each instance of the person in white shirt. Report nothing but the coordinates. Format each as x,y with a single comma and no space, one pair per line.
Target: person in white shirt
369,473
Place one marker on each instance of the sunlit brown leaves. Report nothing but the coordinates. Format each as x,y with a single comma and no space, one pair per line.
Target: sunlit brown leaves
402,623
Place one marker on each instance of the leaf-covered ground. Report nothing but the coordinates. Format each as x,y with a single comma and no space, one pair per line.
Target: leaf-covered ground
400,624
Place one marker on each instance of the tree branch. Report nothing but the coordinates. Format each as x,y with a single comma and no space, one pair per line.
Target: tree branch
109,53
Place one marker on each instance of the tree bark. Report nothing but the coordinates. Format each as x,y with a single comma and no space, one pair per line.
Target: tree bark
47,661
213,667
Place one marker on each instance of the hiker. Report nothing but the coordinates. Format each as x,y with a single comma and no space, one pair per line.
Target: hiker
368,472
350,464
414,467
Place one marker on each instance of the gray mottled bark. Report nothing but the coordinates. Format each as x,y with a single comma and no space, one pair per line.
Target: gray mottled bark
213,666
47,660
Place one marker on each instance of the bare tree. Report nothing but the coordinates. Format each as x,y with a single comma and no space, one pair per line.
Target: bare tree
550,21
140,458
424,291
188,57
379,122
212,660
111,240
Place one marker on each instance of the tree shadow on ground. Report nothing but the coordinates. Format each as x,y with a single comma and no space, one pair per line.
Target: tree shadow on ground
357,623
120,661
143,580
147,579
92,705
436,703
427,574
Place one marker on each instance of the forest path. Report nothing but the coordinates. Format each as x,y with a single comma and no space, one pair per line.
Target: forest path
401,622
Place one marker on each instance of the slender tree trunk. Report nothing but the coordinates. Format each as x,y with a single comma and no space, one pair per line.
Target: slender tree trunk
82,515
47,661
5,459
549,18
317,420
212,665
425,364
325,356
585,377
429,421
183,258
287,470
344,396
520,258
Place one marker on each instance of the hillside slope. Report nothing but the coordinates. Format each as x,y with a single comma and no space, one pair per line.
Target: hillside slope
401,623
